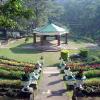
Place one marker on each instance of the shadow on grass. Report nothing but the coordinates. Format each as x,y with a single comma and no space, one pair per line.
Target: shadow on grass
94,47
55,82
53,65
21,50
57,93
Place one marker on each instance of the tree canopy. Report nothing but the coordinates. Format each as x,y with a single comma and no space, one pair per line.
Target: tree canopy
11,11
83,17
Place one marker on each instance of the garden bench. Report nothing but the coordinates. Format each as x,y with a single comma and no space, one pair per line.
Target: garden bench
68,72
38,70
34,76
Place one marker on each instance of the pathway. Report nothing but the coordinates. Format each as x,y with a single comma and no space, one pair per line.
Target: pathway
51,86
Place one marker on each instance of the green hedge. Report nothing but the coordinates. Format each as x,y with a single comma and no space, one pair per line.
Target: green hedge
92,73
11,74
93,82
10,83
64,55
9,68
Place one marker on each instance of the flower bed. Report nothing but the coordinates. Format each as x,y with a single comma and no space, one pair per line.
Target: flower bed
77,66
15,63
13,68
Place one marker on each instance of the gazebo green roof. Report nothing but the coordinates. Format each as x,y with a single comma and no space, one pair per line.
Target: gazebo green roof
50,29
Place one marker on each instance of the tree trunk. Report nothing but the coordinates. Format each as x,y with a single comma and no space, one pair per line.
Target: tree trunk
66,38
58,40
5,34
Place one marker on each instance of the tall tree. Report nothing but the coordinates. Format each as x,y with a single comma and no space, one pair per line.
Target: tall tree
10,12
44,10
82,16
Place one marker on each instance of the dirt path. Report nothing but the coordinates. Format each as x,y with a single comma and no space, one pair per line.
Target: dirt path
51,86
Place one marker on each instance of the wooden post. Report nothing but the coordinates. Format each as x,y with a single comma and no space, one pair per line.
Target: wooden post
34,38
58,37
66,38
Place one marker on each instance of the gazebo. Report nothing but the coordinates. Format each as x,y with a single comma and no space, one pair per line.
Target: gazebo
50,30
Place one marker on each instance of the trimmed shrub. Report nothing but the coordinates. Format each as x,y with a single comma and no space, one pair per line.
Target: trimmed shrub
10,83
93,82
11,74
93,59
83,53
64,55
92,73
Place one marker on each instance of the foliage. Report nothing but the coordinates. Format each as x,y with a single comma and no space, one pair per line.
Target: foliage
10,13
26,39
13,68
7,22
11,74
45,10
10,83
92,73
93,59
85,22
64,55
83,53
92,81
15,63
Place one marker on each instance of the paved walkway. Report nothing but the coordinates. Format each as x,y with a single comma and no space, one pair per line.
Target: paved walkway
51,86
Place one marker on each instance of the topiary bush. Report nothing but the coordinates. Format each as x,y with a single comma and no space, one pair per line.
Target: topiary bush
64,55
83,53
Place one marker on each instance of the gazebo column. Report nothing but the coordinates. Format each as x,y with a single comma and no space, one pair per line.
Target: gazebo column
34,38
58,38
41,39
66,38
44,37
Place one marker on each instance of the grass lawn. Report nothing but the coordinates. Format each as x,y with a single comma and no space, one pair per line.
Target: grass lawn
14,51
31,56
